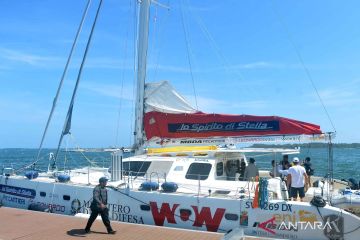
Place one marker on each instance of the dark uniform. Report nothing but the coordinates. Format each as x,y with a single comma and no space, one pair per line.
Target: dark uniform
99,196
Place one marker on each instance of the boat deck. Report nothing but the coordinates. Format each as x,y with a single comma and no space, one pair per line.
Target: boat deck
25,224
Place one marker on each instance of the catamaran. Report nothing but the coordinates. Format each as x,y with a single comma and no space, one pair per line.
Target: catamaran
182,172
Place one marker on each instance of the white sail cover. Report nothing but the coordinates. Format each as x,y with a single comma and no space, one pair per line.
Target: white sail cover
162,97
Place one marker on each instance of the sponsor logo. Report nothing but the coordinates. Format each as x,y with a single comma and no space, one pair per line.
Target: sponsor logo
53,207
306,216
335,226
117,212
301,216
224,126
190,141
201,141
332,225
14,199
244,218
304,226
18,191
203,216
266,234
75,206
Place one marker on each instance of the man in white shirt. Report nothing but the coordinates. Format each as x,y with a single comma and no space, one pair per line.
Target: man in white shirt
296,179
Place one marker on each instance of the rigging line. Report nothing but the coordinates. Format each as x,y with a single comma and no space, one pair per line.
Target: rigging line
159,48
214,45
307,72
122,79
67,123
66,150
93,163
62,78
189,51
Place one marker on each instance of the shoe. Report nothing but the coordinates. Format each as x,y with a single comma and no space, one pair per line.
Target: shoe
87,230
111,232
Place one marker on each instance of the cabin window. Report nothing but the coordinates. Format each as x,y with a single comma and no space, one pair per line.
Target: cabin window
231,217
182,155
43,194
224,192
200,154
135,168
145,207
219,169
66,197
179,168
198,170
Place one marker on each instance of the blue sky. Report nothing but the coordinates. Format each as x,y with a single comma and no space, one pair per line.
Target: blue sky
241,52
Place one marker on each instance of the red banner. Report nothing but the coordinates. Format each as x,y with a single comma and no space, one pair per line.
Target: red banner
202,125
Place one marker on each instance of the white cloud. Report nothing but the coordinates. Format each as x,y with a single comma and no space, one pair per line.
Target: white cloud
257,65
341,96
109,90
31,59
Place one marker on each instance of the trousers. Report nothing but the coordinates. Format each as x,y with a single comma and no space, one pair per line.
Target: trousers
104,216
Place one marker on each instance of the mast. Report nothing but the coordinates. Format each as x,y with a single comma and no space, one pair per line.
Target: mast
142,46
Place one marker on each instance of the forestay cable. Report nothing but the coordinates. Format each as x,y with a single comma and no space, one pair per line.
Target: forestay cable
307,72
189,52
122,79
67,124
214,45
61,83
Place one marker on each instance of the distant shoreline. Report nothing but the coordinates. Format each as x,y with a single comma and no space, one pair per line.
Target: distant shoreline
257,145
307,145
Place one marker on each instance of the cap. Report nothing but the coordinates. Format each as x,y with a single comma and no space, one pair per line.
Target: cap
103,179
295,159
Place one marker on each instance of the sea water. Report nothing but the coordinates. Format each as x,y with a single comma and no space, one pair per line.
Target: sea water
346,161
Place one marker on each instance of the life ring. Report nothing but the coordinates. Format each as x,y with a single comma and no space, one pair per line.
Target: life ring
75,206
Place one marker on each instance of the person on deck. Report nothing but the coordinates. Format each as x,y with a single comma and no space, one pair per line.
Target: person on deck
230,170
251,171
98,206
284,169
309,170
284,173
242,170
275,170
297,180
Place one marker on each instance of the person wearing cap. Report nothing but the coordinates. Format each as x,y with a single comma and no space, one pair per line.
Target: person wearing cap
296,180
98,206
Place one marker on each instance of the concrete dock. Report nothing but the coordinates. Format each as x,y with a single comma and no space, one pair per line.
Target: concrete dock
24,224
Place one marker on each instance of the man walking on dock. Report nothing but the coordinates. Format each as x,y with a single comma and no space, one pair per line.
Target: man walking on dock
98,206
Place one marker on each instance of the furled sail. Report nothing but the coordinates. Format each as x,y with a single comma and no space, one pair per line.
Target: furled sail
169,116
162,97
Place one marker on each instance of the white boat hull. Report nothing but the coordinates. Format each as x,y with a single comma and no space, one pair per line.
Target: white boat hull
277,219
